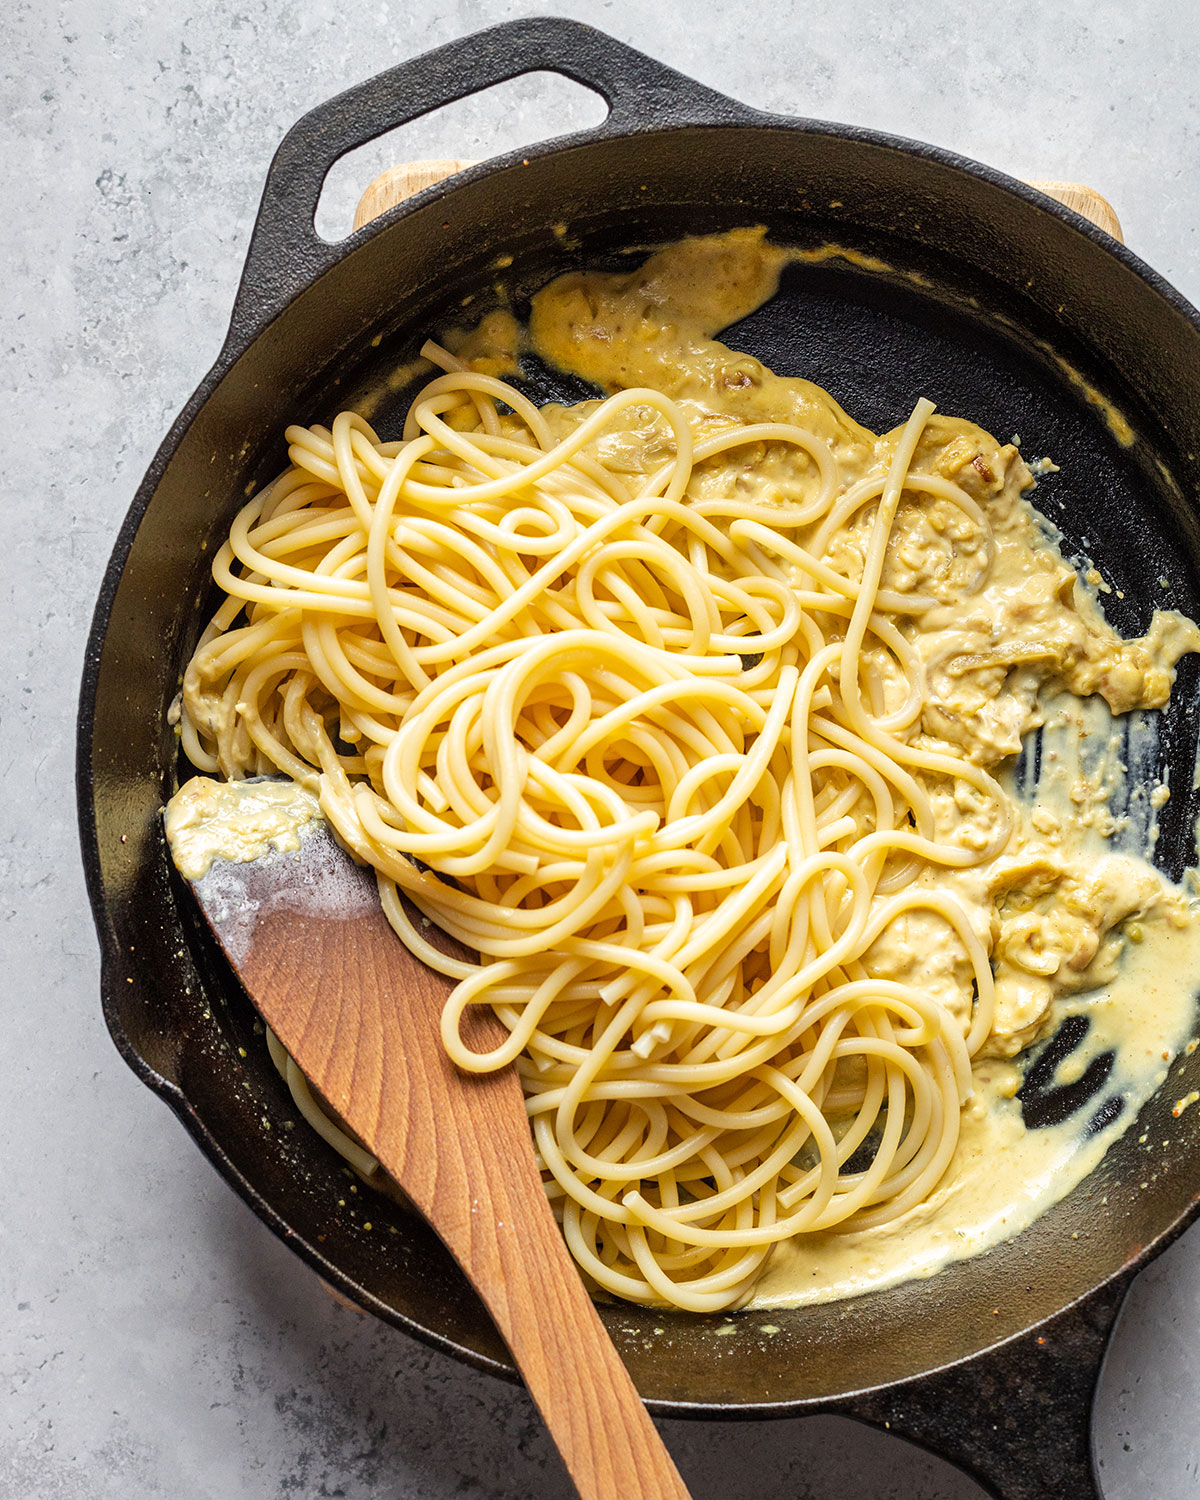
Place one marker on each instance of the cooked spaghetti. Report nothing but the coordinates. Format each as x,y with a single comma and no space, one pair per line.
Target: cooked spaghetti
663,755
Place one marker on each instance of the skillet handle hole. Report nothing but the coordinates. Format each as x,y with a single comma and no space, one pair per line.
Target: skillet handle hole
522,112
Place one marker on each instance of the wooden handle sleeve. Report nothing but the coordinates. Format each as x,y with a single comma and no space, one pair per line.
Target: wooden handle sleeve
1085,201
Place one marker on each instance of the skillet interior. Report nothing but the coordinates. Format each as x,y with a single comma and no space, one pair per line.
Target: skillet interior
986,289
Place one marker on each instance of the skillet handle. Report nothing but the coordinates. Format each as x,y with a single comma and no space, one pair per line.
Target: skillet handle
1018,1419
286,253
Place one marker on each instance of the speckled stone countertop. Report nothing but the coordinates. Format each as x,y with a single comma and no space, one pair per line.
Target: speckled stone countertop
158,1343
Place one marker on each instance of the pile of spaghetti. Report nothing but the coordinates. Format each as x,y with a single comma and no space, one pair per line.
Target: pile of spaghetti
635,752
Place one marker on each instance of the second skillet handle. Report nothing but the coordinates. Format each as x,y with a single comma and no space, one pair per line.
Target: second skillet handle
286,253
1018,1419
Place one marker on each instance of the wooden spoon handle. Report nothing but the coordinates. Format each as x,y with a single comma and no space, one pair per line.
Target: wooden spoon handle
513,1252
361,1018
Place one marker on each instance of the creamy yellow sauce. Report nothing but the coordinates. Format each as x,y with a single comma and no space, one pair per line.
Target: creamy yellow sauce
1003,1175
1074,916
235,820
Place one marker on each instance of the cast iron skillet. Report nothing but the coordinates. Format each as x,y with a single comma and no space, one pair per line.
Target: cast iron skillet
997,303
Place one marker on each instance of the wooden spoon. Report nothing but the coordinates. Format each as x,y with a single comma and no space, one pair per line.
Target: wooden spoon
308,939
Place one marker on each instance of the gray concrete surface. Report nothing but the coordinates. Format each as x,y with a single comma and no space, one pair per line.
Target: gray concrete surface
155,1340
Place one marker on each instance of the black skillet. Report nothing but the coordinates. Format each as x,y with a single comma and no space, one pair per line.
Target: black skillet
997,303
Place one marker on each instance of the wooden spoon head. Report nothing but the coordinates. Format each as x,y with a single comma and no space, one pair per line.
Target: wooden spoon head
306,935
